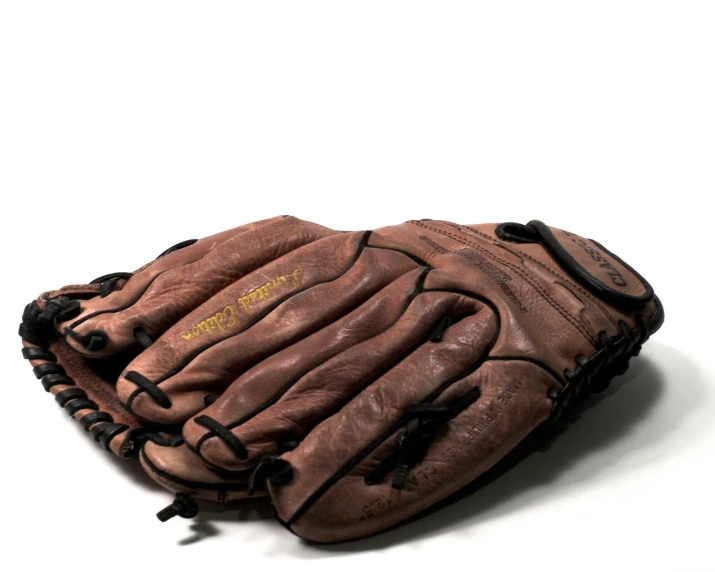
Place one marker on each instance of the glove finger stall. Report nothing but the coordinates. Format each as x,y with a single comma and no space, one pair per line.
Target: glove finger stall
265,384
322,390
162,292
310,294
338,443
180,471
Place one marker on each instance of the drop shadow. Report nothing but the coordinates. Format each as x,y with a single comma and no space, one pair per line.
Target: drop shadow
201,529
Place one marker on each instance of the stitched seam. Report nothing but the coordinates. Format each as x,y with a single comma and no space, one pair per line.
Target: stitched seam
565,278
588,295
579,327
461,228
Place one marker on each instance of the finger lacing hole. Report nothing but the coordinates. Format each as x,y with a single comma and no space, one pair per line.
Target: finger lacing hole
223,433
108,282
93,341
153,390
271,469
142,337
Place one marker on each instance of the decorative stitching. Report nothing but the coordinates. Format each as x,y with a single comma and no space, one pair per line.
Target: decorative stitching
565,278
579,327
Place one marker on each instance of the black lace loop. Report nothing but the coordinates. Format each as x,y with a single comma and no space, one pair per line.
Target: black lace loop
517,232
150,388
92,341
37,325
178,246
594,374
137,437
142,338
271,469
223,433
38,353
61,309
108,282
422,421
537,232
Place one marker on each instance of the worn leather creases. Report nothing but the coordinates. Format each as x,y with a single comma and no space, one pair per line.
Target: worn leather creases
322,367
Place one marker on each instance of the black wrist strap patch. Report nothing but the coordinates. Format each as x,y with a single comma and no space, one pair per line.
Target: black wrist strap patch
587,261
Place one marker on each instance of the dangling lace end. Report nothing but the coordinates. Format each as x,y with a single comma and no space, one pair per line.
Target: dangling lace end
183,506
273,469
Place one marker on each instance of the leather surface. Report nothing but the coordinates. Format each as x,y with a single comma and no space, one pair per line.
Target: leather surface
324,347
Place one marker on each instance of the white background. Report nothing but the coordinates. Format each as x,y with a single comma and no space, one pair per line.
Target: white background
126,127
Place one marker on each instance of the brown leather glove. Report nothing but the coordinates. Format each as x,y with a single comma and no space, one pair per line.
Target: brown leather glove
357,377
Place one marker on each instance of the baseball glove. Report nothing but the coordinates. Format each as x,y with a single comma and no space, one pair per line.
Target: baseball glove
357,378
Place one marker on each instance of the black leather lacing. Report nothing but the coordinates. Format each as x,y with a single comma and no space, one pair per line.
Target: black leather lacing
37,325
422,421
108,282
223,433
178,246
183,506
138,436
271,469
99,424
92,341
594,374
537,232
142,338
151,388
